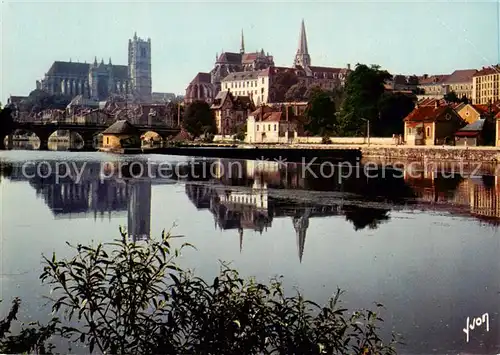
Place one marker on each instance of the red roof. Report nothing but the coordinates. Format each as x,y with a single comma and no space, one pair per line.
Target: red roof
272,117
461,76
488,70
433,79
201,78
426,113
325,69
484,109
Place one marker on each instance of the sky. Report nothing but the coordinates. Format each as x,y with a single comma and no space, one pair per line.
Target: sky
404,37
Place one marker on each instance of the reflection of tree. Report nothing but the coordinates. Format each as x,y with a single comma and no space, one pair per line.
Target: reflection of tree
362,217
5,170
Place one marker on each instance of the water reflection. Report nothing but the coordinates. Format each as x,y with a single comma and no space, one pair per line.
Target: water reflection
431,271
249,195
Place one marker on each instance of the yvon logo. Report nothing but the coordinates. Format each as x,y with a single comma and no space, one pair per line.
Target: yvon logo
483,321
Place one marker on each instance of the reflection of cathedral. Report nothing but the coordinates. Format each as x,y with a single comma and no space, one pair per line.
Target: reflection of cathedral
139,209
69,198
242,202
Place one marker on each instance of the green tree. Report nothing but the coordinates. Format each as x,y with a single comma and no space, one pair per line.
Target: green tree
451,97
297,92
280,85
489,127
133,298
199,119
241,131
465,100
320,114
39,100
364,87
6,124
393,108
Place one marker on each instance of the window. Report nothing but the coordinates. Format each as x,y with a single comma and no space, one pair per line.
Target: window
143,52
262,80
428,132
107,140
257,127
268,127
275,128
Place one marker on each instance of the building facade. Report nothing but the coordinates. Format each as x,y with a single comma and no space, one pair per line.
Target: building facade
327,78
432,125
268,125
230,112
206,86
432,86
98,81
485,86
461,83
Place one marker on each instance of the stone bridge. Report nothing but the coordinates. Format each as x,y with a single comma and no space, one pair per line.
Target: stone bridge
44,130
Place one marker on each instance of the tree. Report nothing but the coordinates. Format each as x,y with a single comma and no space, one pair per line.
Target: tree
133,298
364,87
393,108
241,131
465,100
451,97
297,92
6,124
199,119
282,82
320,114
39,100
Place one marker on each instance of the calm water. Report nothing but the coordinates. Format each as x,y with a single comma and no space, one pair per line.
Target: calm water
426,246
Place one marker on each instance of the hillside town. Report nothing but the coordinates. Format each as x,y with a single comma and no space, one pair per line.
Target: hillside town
245,97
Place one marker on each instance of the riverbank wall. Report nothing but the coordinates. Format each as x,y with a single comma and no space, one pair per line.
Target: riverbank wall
274,153
433,153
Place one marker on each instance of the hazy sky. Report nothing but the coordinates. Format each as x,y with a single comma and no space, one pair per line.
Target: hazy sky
401,36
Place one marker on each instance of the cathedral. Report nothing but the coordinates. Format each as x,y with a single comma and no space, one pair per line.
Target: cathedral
98,81
206,86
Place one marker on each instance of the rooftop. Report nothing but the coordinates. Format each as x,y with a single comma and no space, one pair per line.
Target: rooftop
121,127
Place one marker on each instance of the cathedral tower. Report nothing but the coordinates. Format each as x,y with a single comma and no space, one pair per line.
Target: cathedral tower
242,46
139,67
302,57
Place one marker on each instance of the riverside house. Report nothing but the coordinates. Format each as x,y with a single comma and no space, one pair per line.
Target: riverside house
271,125
432,124
120,136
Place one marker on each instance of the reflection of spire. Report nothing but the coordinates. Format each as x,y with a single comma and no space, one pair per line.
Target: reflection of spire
300,224
240,230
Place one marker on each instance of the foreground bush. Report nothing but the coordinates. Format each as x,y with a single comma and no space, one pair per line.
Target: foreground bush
132,298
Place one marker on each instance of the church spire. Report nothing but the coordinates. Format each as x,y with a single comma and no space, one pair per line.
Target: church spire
242,47
302,57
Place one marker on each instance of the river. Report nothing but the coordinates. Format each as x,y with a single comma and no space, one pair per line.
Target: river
424,244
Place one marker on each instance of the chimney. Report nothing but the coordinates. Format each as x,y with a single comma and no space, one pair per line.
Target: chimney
436,103
348,66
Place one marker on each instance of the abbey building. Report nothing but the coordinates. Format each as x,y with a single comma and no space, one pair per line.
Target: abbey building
98,80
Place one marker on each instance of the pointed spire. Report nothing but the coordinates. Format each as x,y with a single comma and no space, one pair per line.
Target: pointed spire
109,61
302,57
135,36
303,39
242,47
102,60
95,61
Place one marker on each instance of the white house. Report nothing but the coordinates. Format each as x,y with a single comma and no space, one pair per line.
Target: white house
266,125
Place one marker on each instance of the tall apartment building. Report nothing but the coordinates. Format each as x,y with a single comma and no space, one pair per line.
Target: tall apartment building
485,86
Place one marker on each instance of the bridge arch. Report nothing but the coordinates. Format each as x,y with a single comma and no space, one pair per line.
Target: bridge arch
151,136
62,138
